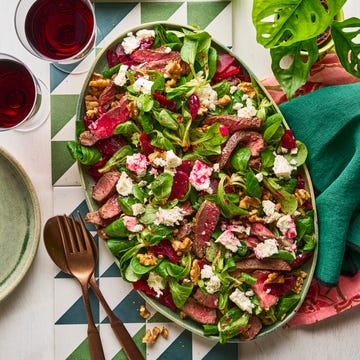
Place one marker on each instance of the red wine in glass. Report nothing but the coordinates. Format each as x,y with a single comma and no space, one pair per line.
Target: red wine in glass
20,95
59,29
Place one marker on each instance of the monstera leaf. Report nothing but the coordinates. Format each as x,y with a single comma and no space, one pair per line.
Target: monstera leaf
285,22
347,45
295,74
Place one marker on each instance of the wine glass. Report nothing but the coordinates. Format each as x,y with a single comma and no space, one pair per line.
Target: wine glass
22,105
60,31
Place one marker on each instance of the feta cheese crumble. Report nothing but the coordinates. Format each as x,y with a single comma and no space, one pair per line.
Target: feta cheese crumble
240,299
206,272
200,176
207,96
120,78
131,42
267,248
213,285
171,162
124,185
229,240
248,110
143,85
269,208
156,282
137,209
282,168
137,163
169,217
286,225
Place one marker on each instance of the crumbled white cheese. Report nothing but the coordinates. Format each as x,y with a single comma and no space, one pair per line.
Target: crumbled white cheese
143,85
120,78
169,217
233,88
213,285
207,96
200,176
137,163
259,177
206,272
267,248
145,34
286,225
282,168
171,162
240,229
137,209
229,240
124,184
130,43
241,300
156,282
248,110
269,210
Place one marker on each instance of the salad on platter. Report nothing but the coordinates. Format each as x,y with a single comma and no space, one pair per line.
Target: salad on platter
195,182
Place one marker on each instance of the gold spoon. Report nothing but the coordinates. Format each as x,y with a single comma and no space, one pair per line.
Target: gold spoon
55,249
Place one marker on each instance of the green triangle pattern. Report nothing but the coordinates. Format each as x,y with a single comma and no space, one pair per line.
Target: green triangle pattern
151,11
138,341
179,349
63,108
61,157
158,318
202,13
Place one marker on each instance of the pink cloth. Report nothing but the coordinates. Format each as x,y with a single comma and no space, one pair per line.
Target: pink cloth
324,73
322,302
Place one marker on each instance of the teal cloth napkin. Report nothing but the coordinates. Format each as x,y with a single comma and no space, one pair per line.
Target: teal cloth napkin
328,122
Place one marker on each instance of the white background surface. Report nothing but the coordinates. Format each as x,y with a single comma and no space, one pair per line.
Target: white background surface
26,316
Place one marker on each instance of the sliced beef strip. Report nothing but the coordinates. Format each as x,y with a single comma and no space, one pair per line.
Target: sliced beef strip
251,139
104,126
87,138
206,219
253,328
107,97
105,186
199,313
210,301
183,231
266,300
252,264
261,231
234,123
111,208
157,59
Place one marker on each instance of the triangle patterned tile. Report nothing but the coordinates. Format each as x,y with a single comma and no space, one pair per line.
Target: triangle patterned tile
63,109
180,348
128,309
202,13
222,351
75,314
108,15
61,160
112,271
70,177
151,11
138,341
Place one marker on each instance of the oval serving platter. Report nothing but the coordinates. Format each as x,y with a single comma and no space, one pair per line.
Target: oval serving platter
19,225
87,183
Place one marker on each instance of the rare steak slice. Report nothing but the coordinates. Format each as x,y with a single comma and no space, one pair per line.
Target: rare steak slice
104,126
210,301
252,264
252,329
111,208
206,219
234,123
198,312
105,186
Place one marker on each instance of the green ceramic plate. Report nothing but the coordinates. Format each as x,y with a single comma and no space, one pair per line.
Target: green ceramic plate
19,224
99,65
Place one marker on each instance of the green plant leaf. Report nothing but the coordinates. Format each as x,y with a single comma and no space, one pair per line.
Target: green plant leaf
296,74
348,51
285,22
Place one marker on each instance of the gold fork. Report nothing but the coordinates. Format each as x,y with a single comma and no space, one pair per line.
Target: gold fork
81,262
